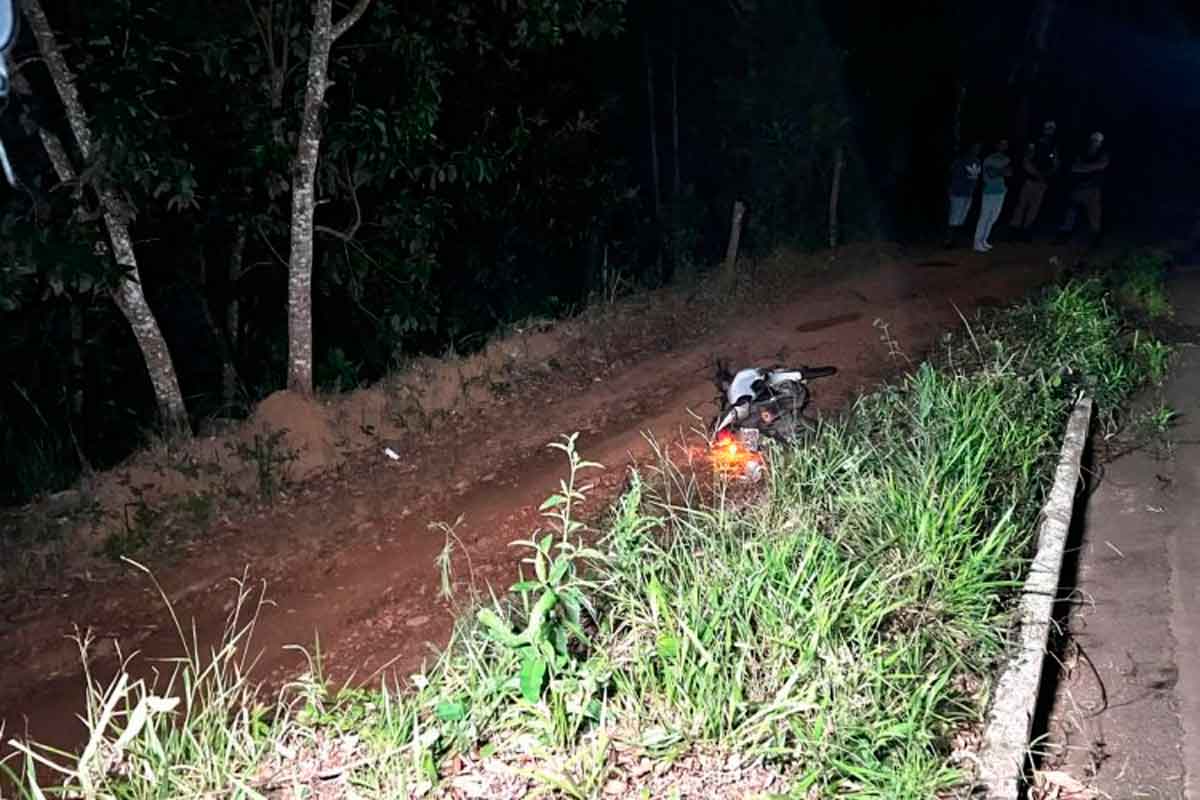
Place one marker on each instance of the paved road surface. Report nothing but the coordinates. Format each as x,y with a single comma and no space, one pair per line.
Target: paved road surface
1129,711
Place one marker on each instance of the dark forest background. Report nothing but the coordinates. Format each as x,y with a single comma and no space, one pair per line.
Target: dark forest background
473,175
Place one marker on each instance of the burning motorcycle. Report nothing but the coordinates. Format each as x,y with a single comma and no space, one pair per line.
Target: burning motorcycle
759,402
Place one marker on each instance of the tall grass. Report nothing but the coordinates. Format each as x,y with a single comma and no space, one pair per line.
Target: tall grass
1138,279
843,629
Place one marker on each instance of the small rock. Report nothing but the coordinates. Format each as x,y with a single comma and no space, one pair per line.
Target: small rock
418,621
615,787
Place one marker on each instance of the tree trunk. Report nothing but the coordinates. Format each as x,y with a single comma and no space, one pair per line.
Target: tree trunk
735,237
835,192
229,379
956,133
1035,49
224,353
676,181
652,124
304,178
128,295
77,373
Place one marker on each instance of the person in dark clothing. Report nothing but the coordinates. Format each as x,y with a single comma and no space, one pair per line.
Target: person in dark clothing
1039,166
964,177
1087,181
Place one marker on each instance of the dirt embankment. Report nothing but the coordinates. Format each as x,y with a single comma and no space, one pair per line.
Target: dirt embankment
346,546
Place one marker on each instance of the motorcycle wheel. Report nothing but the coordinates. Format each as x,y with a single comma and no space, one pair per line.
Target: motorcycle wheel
791,399
789,428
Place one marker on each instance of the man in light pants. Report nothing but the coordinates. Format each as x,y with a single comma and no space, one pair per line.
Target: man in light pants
996,168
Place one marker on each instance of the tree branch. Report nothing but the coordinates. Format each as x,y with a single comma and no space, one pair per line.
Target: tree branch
263,34
267,240
285,44
352,231
59,158
352,16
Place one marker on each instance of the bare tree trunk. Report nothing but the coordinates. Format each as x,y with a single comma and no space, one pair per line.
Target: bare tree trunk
304,178
676,182
277,64
1035,49
676,179
128,295
960,100
77,374
835,192
229,378
224,353
735,237
653,124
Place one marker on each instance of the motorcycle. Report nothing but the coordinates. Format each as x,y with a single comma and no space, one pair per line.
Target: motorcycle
8,34
758,404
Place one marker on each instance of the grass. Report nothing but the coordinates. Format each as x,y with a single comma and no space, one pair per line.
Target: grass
1138,281
839,632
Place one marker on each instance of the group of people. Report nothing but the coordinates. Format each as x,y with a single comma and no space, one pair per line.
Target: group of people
1039,166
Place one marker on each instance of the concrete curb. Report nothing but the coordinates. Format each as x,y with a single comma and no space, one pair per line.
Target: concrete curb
1006,737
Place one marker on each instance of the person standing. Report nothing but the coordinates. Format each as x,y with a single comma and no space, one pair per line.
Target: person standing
964,177
1039,165
996,168
1087,175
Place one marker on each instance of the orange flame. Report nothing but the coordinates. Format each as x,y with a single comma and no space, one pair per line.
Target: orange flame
729,455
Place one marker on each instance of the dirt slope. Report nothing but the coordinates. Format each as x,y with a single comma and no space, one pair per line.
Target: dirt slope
351,558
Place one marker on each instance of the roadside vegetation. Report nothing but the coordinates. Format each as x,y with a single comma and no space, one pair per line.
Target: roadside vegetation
833,633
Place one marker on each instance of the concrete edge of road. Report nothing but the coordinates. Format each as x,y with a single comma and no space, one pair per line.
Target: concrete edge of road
1014,701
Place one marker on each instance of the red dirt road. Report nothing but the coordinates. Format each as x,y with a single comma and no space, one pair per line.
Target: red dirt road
351,558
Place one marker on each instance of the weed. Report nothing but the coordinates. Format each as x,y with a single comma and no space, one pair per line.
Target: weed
200,509
31,549
1157,421
445,558
1155,354
201,730
272,461
552,605
338,373
1139,282
141,521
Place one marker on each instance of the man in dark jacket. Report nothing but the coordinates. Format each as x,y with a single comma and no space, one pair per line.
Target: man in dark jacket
1087,178
1039,166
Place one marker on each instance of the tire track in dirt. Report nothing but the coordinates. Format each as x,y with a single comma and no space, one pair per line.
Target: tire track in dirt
353,560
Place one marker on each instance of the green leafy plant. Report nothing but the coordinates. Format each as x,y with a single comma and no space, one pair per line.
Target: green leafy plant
1158,419
338,372
141,522
1154,354
271,458
554,599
